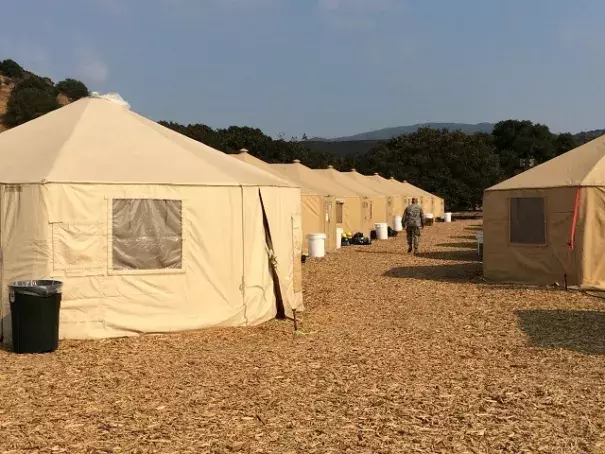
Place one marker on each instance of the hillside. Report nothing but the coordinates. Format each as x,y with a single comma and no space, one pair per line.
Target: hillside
25,95
389,133
6,88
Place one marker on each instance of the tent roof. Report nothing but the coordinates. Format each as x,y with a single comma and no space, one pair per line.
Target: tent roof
582,166
352,184
414,190
376,182
96,140
244,156
312,182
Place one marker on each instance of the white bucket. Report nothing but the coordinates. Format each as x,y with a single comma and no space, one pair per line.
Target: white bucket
382,231
317,244
479,244
448,217
338,237
398,224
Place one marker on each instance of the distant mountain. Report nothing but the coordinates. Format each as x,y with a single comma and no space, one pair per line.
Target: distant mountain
389,133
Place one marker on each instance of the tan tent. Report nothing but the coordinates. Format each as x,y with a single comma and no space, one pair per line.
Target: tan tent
395,200
150,231
547,223
320,211
346,203
429,202
374,204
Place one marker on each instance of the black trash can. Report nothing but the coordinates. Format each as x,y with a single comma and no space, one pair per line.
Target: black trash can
35,309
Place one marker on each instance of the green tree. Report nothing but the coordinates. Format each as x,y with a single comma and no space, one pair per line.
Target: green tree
12,69
73,89
563,143
522,143
30,99
453,165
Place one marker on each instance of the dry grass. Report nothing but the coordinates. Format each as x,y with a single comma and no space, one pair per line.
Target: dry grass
402,354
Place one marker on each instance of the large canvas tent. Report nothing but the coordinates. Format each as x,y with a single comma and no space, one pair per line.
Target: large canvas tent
395,200
320,210
429,202
343,204
547,224
373,204
150,231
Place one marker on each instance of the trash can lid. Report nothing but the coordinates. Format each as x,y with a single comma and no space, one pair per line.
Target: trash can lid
37,287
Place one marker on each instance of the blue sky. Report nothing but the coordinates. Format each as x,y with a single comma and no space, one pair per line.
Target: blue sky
324,67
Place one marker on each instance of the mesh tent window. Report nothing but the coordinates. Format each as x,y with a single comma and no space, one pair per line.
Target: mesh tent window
147,234
527,221
339,212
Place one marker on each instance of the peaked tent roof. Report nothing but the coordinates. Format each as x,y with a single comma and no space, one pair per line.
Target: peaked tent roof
244,156
358,188
411,190
312,181
404,188
582,166
376,183
97,140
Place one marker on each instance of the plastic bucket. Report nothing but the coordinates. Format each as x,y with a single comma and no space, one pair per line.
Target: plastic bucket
479,244
382,231
398,224
317,245
338,237
448,217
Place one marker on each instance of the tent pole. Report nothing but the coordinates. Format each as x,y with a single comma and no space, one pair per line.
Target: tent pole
295,321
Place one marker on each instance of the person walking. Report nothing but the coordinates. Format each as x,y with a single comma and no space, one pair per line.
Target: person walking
413,221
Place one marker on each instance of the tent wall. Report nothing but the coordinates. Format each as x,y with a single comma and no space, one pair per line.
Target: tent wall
329,221
528,263
591,231
64,232
319,216
377,210
312,217
353,218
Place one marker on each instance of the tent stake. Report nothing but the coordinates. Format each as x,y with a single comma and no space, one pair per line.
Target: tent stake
565,280
295,321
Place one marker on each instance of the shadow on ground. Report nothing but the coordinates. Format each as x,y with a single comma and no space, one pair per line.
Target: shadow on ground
580,331
474,228
456,256
466,245
442,273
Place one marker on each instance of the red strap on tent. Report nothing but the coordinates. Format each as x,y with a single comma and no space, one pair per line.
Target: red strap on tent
572,235
576,209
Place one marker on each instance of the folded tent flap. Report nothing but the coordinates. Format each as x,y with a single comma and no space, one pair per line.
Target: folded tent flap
285,247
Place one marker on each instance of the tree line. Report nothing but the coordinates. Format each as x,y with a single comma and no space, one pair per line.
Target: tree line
452,164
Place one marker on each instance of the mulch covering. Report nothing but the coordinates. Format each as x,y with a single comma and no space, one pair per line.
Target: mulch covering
399,354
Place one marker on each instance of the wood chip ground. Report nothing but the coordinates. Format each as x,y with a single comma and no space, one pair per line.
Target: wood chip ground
400,354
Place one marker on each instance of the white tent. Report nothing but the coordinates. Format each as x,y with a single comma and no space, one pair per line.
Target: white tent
150,231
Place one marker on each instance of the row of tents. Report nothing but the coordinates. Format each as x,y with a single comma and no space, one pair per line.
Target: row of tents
151,231
348,200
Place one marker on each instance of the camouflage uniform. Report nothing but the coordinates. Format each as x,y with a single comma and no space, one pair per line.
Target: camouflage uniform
413,221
